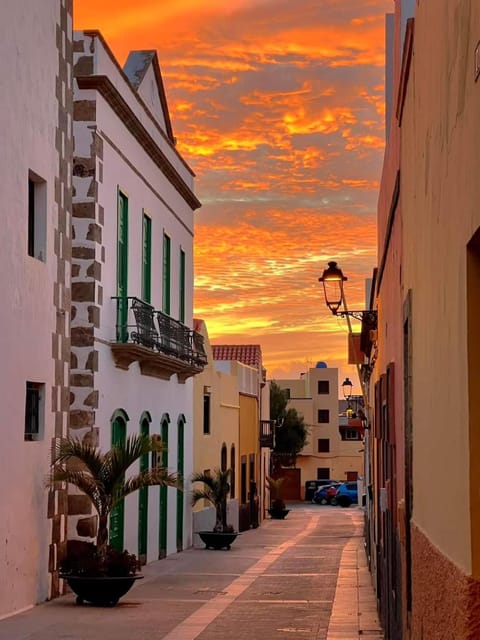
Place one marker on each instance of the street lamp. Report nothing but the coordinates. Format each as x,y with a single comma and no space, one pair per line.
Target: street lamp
347,389
332,280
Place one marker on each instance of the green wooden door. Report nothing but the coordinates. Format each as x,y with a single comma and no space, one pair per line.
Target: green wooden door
180,463
162,542
117,517
122,267
143,503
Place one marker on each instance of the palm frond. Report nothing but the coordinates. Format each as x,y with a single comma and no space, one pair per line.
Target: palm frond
88,455
121,456
83,481
216,486
150,478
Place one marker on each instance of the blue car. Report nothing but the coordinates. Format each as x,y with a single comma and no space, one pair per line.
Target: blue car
326,494
347,494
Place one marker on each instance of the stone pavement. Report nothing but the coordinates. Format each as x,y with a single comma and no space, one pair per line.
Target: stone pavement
304,577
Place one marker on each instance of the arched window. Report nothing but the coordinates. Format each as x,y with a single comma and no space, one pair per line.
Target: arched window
162,535
118,423
143,495
223,457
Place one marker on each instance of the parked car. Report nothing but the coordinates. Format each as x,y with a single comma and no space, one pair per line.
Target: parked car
312,485
326,494
347,494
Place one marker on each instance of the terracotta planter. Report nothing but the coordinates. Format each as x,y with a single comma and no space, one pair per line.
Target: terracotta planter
217,539
102,591
278,514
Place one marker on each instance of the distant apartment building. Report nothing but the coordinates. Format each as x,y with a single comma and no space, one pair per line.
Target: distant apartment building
332,450
134,350
35,243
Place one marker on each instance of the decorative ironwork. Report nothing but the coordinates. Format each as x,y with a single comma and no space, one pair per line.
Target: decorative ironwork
368,317
160,334
267,430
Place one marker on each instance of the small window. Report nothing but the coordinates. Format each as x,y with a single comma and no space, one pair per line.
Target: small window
287,393
37,217
206,413
351,434
323,445
323,416
34,409
323,387
323,473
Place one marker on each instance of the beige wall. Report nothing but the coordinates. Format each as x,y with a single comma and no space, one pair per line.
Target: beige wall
304,397
440,206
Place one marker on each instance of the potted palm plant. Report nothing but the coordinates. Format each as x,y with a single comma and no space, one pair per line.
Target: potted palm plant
278,510
215,490
96,572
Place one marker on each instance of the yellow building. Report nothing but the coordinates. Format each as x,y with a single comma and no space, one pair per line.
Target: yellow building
216,432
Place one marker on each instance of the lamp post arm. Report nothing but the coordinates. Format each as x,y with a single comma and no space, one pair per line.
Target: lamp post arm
359,374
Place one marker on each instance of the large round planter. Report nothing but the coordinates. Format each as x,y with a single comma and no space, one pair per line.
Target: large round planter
217,539
103,591
278,514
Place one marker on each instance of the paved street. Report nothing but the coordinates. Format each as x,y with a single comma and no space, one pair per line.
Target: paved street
304,577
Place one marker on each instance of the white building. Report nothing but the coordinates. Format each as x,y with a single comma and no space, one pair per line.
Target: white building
133,349
35,161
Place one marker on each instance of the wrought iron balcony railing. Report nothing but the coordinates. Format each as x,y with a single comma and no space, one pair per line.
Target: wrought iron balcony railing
267,430
161,344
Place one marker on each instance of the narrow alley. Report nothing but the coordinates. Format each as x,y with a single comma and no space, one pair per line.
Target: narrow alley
303,577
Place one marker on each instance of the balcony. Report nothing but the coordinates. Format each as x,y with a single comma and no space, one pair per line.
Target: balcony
267,428
160,344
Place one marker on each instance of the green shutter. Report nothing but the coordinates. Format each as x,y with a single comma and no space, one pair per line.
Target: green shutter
181,315
122,266
147,259
166,275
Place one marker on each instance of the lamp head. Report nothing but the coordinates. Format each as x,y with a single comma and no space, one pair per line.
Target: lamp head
332,280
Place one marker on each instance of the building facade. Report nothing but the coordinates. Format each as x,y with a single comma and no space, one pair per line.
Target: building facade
245,362
332,450
134,350
216,438
35,111
424,383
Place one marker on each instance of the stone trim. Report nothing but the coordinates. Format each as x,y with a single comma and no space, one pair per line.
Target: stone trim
57,498
110,93
87,252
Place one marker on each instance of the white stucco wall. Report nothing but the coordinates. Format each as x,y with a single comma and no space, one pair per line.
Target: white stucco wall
127,167
29,115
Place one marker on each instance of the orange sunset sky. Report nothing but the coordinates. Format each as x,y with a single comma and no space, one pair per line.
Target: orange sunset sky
278,107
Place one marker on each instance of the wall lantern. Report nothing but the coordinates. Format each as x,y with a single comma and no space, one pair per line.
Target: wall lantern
347,389
332,280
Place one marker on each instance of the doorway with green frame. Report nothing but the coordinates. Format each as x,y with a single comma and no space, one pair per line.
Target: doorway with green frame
163,506
145,421
117,518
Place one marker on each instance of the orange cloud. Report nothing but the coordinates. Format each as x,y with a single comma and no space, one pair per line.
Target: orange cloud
278,107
